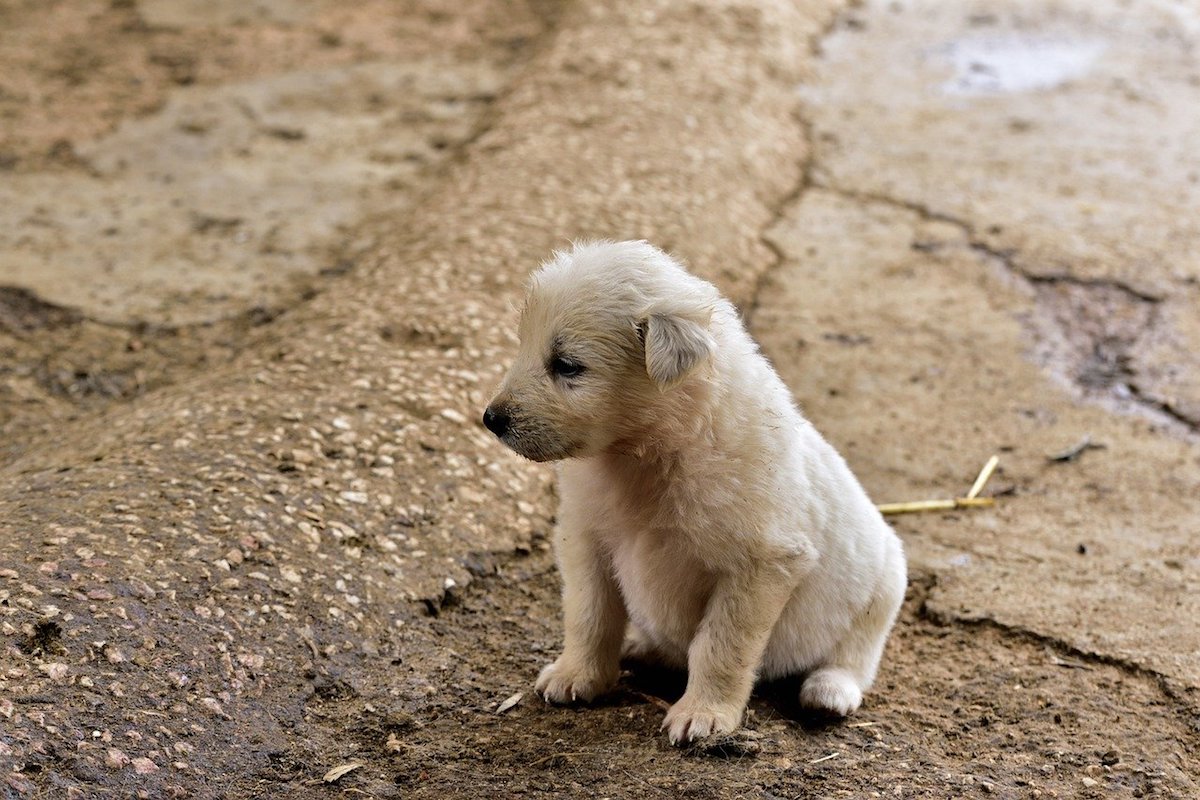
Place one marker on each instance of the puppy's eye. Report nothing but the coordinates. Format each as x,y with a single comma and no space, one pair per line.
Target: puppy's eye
563,367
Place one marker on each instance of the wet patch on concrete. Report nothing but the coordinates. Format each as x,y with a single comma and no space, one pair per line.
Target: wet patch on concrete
1027,127
1014,63
1093,336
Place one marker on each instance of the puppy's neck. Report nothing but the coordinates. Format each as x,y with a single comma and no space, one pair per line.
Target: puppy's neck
679,420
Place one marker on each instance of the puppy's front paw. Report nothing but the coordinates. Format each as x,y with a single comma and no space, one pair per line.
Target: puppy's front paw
568,681
691,719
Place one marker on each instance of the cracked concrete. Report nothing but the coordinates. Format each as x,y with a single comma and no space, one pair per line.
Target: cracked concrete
1088,332
209,207
1057,180
953,347
972,310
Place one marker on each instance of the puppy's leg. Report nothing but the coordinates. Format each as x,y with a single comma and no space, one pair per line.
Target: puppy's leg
725,654
594,620
837,686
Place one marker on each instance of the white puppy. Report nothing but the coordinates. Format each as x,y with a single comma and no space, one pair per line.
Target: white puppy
700,512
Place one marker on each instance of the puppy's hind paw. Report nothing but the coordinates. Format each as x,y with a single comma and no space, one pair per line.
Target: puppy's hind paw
834,691
566,681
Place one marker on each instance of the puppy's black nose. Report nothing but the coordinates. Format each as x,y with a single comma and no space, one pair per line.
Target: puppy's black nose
496,420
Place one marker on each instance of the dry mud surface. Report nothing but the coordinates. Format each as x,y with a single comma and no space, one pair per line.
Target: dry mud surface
257,269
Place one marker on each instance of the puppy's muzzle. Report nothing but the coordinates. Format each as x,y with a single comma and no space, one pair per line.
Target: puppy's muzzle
497,420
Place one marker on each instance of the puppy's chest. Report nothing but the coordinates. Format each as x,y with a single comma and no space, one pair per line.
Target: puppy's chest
665,587
658,537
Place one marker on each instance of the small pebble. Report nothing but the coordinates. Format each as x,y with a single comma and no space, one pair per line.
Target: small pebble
454,416
144,766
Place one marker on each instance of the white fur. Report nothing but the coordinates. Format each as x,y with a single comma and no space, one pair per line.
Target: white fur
703,520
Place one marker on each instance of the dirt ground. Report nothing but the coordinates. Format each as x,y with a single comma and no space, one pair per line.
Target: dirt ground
177,174
257,270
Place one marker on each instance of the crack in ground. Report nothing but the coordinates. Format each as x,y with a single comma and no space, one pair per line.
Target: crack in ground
1088,330
806,179
1074,280
1088,340
23,312
778,257
77,356
1187,708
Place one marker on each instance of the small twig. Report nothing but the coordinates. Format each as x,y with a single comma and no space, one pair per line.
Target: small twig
311,646
972,500
984,474
824,758
1062,662
935,505
335,774
1074,451
510,702
651,699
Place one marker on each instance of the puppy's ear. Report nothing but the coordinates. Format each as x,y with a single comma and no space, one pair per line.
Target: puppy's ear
674,348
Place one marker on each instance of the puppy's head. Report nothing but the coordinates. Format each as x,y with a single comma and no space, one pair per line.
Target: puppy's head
606,331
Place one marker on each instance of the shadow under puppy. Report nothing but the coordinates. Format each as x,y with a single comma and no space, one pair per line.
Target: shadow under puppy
703,521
